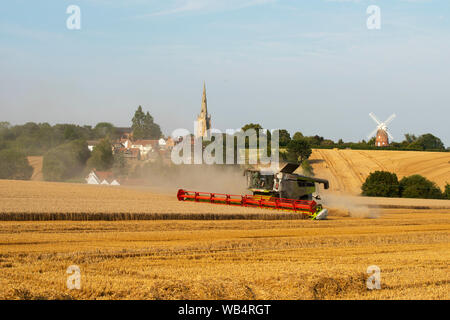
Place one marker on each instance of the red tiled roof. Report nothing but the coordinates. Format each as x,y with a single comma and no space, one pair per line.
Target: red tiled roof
144,142
104,175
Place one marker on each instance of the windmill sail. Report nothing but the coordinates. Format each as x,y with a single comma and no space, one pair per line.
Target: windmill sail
381,131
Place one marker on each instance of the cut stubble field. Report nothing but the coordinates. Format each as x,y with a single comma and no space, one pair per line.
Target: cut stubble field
348,169
266,258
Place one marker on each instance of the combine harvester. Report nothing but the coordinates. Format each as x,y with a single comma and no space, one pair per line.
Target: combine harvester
283,190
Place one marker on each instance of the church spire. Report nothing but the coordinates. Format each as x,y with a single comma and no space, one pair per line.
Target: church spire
204,103
204,119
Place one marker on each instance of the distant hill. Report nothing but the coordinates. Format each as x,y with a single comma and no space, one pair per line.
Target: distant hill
348,169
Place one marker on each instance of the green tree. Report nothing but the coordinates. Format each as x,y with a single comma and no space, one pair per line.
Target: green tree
284,137
138,124
152,130
144,127
410,138
65,161
14,165
427,142
381,184
30,129
297,136
298,150
120,165
4,125
101,157
417,186
447,192
251,126
38,138
371,142
254,126
327,142
315,140
104,130
70,133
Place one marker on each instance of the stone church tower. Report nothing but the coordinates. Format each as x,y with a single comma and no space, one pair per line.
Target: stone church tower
204,119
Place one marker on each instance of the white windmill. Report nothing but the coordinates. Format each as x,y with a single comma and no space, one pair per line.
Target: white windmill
381,131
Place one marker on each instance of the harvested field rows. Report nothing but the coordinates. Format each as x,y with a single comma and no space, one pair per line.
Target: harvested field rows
222,259
228,259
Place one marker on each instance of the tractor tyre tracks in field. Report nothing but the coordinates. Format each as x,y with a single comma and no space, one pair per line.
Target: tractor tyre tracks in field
377,162
351,167
334,172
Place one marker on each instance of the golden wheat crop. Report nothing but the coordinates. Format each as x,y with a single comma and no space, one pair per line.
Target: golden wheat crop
223,259
235,259
348,169
35,200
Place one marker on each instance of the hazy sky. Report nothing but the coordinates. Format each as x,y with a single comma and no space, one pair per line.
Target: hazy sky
310,66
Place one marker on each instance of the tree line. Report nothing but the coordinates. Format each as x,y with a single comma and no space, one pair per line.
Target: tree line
64,147
386,184
66,155
425,142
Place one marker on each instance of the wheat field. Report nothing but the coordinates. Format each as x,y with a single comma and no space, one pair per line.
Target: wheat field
348,169
36,200
236,258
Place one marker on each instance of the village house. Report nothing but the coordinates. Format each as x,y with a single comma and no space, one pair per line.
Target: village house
102,178
132,153
162,143
117,146
145,146
166,144
170,143
92,143
140,149
125,142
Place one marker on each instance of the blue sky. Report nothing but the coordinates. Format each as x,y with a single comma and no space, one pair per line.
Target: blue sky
309,66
